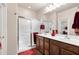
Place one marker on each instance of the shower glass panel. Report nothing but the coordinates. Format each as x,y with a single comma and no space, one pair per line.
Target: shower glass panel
24,34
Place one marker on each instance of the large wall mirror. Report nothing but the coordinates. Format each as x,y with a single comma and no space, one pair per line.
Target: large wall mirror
48,25
63,26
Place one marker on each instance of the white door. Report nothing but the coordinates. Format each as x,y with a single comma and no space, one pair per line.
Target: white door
3,29
24,34
0,28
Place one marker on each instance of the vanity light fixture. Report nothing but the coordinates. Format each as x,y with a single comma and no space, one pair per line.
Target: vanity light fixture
59,4
53,6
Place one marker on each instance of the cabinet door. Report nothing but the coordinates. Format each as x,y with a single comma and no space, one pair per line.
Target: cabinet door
46,47
66,52
41,45
54,50
37,42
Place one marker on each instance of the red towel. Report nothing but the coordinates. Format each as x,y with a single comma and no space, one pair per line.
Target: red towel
0,44
34,36
76,21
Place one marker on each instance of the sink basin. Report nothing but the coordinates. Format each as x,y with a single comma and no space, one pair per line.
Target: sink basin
68,37
74,39
61,36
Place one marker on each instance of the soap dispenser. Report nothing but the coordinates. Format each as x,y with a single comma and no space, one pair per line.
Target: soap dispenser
53,33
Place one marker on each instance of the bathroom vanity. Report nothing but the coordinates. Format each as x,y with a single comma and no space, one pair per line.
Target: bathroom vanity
52,45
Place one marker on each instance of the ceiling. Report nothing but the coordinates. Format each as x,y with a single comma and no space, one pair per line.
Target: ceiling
64,7
41,6
34,6
67,6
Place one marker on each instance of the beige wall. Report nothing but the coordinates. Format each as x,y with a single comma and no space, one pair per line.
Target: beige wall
26,13
11,29
12,25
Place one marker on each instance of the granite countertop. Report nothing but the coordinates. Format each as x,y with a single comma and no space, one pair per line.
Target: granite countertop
73,41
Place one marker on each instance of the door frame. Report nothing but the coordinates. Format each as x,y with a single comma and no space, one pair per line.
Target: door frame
18,32
3,36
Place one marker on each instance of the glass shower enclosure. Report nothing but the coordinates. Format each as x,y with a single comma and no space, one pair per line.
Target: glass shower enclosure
24,34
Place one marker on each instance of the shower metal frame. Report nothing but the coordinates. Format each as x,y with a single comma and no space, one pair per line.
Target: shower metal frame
18,30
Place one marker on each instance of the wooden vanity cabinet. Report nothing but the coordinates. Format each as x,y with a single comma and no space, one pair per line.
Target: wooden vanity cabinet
41,45
38,42
66,52
54,49
69,49
61,48
46,46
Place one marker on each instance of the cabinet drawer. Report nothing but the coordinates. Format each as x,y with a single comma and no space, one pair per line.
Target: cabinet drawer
37,44
54,50
65,52
69,47
46,43
46,46
41,45
46,40
57,43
